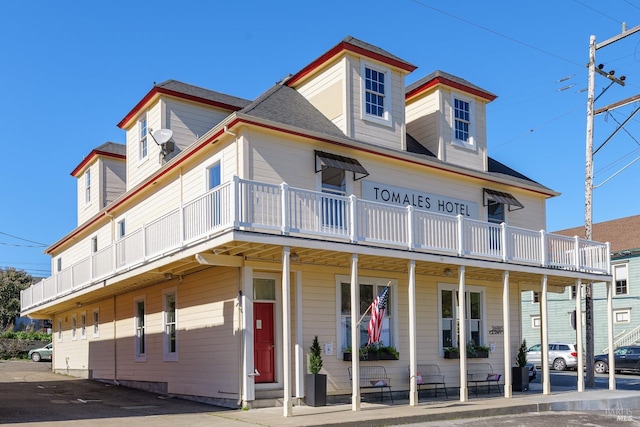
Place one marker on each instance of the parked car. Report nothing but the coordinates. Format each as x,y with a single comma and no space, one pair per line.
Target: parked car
44,353
627,358
533,372
561,356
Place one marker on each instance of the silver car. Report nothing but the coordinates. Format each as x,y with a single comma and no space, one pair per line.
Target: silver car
561,356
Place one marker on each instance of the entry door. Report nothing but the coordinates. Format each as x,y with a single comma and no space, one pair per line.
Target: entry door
264,341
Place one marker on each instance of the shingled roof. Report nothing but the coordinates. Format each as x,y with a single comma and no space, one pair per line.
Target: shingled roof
623,234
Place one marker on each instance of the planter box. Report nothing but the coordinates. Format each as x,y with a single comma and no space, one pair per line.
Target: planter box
370,356
315,387
520,378
456,355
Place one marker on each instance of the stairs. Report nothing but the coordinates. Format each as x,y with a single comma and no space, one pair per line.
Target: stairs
629,338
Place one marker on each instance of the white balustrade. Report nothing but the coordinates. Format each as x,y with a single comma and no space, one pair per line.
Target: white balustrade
256,206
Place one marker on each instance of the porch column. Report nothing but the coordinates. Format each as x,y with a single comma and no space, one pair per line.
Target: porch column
580,369
248,379
462,340
506,315
413,388
355,335
286,332
612,359
299,346
544,351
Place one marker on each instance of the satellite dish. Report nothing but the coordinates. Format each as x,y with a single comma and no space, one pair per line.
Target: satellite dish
162,135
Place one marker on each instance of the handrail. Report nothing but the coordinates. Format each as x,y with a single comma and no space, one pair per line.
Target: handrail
279,209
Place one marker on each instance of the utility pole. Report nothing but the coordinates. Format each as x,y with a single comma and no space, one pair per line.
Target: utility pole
588,202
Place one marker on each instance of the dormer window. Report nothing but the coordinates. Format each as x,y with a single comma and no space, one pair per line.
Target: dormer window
376,94
144,136
463,125
87,186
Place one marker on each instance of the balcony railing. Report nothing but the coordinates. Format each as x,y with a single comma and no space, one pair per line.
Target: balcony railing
268,208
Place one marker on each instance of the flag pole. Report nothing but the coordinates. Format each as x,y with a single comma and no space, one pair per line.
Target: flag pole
369,308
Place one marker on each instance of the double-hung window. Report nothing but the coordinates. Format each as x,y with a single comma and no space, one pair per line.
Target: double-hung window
170,317
143,144
83,325
74,327
214,179
620,275
370,288
463,126
87,186
376,94
140,320
450,318
96,323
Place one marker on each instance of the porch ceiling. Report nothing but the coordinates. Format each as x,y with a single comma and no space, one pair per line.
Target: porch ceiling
182,265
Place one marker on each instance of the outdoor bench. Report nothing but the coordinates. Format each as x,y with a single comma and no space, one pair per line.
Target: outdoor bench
482,373
374,377
430,375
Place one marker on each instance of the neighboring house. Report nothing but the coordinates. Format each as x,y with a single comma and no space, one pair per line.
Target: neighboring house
254,226
624,237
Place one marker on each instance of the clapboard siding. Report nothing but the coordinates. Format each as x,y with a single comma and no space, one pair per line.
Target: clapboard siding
423,121
113,180
326,92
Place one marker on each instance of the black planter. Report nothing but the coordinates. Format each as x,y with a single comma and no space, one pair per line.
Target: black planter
370,356
479,354
452,354
520,378
315,388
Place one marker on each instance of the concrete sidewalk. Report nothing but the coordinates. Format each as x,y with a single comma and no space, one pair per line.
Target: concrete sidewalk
376,414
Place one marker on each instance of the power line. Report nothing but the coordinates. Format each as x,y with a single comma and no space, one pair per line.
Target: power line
43,245
504,36
597,11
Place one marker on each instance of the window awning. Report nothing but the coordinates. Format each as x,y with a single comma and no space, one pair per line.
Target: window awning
501,197
328,160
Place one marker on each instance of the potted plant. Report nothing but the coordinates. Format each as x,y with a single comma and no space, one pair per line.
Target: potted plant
477,351
315,382
378,351
520,372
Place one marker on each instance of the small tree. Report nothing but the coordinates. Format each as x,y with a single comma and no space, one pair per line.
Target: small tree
12,281
521,358
315,357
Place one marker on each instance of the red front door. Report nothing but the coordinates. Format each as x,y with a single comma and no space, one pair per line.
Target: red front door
264,344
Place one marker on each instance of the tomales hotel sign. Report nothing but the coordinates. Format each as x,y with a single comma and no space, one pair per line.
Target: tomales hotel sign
383,193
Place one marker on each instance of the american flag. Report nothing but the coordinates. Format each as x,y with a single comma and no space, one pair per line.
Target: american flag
377,314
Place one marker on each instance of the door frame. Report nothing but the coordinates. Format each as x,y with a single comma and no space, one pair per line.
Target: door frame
277,317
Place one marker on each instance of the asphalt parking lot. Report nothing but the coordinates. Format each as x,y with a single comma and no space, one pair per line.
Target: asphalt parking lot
30,394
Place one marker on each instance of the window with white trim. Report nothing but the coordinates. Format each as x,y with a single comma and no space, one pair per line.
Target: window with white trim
620,275
143,144
96,323
121,228
74,327
376,94
140,321
59,330
463,124
87,186
83,325
94,244
572,292
535,322
214,176
622,316
170,324
535,297
59,264
370,288
449,317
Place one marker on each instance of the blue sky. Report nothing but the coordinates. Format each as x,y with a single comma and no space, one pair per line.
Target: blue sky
72,70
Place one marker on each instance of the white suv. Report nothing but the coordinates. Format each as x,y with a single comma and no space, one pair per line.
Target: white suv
561,356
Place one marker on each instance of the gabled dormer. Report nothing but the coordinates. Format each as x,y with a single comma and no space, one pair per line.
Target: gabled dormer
447,115
101,179
360,88
188,111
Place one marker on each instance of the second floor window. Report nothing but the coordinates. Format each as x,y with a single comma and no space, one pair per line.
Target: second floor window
144,138
374,94
463,126
620,276
122,229
214,177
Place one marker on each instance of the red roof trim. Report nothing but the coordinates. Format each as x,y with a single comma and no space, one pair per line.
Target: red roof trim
451,83
249,122
160,90
344,46
96,153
